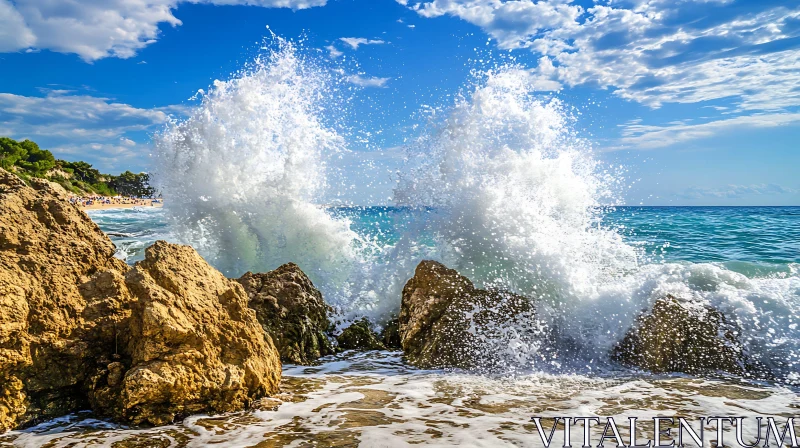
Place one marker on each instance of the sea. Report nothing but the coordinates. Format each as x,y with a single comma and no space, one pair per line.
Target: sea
499,186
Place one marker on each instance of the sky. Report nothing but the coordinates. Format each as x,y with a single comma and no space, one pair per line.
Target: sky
699,100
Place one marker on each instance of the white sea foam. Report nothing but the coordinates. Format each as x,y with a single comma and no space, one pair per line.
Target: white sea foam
375,399
245,174
516,202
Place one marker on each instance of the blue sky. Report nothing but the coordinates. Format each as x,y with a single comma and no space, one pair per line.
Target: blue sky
699,99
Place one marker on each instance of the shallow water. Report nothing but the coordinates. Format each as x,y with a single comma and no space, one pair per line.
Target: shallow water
374,400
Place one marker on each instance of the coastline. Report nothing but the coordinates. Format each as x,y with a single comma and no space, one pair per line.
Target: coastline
118,206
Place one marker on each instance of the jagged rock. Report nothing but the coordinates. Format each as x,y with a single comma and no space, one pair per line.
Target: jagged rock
79,329
446,322
50,333
193,345
390,335
682,336
292,311
359,336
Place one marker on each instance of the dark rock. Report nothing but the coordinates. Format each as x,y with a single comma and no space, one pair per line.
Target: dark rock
682,336
292,311
359,336
446,322
390,335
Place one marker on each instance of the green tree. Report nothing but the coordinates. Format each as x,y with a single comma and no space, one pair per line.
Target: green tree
131,184
11,152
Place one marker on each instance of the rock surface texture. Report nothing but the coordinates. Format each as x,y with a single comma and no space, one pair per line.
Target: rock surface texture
682,336
54,326
79,329
194,345
446,322
292,311
359,336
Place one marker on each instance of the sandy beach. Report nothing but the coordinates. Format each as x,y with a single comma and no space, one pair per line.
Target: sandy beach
106,203
147,204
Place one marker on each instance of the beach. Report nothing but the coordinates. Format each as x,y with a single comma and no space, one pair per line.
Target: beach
105,203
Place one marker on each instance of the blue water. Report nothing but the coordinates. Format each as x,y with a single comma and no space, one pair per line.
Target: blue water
751,240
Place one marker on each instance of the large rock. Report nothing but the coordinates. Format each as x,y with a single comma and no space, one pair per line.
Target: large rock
193,344
359,336
53,330
292,311
79,329
682,336
446,322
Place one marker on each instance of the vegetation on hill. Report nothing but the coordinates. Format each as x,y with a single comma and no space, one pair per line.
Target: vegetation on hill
27,160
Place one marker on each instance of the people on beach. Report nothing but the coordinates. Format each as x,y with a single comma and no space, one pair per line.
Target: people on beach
114,201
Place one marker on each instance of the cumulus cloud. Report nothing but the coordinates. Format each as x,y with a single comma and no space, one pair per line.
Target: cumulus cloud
95,29
355,42
14,34
652,52
367,81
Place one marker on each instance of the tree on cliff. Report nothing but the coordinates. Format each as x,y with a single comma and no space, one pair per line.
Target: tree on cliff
27,160
26,155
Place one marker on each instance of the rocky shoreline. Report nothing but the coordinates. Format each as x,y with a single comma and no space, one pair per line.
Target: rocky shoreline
170,336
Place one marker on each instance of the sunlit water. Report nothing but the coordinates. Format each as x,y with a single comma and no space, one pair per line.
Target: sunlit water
499,187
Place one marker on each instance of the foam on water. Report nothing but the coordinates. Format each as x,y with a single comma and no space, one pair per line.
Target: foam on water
374,399
508,194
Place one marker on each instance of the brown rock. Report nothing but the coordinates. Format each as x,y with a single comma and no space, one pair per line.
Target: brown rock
446,322
292,311
680,336
193,344
79,329
48,249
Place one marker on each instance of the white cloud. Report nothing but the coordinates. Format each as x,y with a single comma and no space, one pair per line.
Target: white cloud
95,129
14,34
95,29
737,191
333,52
355,42
654,51
367,81
640,136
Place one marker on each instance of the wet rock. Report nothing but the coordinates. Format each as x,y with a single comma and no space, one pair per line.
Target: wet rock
446,322
292,311
359,336
51,336
682,336
390,335
193,345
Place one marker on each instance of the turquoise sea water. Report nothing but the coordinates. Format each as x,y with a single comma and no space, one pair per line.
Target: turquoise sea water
750,240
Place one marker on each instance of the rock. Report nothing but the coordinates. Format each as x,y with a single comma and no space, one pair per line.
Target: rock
390,335
446,322
359,336
79,329
681,336
292,311
193,345
51,335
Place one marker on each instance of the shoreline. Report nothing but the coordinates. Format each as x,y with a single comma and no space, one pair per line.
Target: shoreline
117,206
